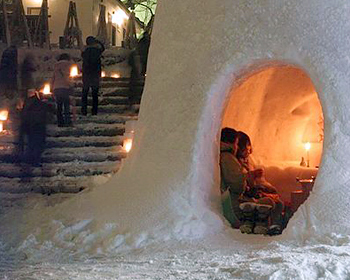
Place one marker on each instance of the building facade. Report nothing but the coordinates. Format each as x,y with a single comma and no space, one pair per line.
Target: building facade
88,12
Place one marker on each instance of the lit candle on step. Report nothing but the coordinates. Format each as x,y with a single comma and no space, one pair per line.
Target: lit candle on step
1,127
74,71
307,148
46,90
115,75
4,115
103,74
127,144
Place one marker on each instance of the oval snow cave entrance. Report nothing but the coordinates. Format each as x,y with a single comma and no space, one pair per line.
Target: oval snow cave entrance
278,107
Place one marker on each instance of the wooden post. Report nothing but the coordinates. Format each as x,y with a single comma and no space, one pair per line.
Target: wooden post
130,36
6,24
24,19
42,34
72,30
102,26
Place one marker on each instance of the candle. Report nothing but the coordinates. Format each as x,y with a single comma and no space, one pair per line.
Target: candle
307,148
74,71
4,115
46,90
127,144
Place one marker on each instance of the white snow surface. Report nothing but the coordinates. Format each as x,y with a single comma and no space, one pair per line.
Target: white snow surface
160,214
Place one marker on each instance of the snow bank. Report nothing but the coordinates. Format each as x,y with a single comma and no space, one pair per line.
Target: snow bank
168,186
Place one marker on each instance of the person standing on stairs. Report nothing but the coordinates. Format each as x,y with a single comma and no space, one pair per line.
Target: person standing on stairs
62,88
91,73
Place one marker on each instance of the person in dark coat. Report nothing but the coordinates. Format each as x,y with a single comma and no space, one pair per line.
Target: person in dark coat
33,126
91,72
143,47
8,72
28,68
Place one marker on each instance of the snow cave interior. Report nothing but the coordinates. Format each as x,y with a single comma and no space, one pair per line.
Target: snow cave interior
278,107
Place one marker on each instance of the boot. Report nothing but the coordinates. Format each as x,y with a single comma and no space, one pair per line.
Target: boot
248,210
262,218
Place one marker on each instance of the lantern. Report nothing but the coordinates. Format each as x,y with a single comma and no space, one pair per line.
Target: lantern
46,90
74,71
4,115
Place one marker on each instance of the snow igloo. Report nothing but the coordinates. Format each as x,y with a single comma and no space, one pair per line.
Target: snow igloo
274,69
270,68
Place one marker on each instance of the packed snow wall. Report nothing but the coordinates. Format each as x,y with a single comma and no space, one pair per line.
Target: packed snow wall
169,184
191,74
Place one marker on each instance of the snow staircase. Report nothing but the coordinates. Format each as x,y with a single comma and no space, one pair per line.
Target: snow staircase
73,155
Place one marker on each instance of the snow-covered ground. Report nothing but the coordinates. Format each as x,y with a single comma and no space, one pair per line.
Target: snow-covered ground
216,257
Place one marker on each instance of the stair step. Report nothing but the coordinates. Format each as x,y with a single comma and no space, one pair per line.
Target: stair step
84,141
115,91
69,154
105,118
44,185
84,154
90,129
70,169
110,100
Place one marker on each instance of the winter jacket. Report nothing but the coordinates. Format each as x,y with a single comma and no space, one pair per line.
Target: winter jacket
8,69
92,59
27,70
231,171
61,75
232,177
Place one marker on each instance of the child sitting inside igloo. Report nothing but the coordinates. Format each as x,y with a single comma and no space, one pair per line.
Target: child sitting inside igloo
250,204
257,185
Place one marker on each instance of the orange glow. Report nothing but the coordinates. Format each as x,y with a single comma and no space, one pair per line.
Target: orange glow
46,90
4,115
103,74
115,75
1,127
119,16
74,71
307,146
127,144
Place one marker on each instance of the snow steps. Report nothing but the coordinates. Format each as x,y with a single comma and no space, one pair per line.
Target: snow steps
86,130
74,155
58,169
44,185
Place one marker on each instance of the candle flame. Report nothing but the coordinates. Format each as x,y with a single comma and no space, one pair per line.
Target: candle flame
4,115
115,75
307,146
127,145
103,74
1,127
74,71
46,90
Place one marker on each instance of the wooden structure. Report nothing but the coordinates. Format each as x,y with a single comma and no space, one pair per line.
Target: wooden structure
130,36
42,34
72,33
102,34
14,23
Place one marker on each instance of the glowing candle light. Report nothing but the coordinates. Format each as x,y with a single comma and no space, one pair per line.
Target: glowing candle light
74,71
4,115
46,90
115,75
127,144
307,148
103,74
1,127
